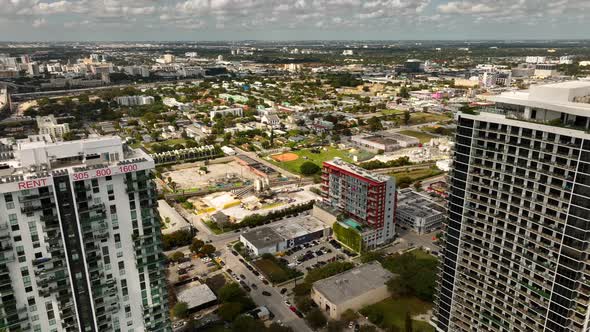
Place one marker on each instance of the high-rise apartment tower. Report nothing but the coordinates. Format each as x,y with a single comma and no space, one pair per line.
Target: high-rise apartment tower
517,243
80,243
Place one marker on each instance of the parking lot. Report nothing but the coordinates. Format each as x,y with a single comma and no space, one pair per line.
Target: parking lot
192,267
313,254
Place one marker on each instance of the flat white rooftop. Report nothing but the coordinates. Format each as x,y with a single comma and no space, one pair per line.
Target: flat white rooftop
558,97
350,284
195,296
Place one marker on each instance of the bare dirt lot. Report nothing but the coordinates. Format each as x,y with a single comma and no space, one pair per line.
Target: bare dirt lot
190,178
285,157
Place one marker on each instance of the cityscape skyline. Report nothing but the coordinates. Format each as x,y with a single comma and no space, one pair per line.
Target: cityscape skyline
277,185
34,20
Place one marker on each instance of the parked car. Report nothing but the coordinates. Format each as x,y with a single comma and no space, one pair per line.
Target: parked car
299,314
283,291
265,293
235,253
265,282
256,273
242,276
254,286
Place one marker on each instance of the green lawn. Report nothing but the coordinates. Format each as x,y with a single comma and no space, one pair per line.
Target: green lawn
405,178
216,328
423,137
422,117
392,112
393,312
317,158
169,142
214,227
271,269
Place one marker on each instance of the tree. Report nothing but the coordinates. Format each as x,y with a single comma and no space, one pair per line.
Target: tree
276,327
229,311
376,317
176,256
368,328
404,93
230,292
375,124
207,249
399,286
309,168
335,326
369,256
302,289
196,245
180,310
403,181
246,323
173,185
349,315
418,186
408,322
416,276
176,239
407,117
316,319
304,303
69,136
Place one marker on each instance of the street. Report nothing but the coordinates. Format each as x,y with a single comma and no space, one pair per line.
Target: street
275,302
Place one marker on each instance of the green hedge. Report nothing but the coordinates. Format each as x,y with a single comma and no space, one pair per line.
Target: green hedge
350,237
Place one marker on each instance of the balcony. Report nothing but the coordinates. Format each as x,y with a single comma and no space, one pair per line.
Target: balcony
101,235
30,209
7,259
95,218
34,197
93,207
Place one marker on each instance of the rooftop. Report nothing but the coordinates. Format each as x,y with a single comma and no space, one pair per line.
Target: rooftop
409,201
39,156
558,97
339,163
263,237
196,296
279,232
353,283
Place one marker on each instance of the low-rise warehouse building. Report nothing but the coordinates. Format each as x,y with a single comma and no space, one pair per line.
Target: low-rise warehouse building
353,289
257,167
418,212
282,236
197,297
384,141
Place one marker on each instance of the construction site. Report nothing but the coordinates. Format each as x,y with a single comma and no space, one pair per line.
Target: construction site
229,191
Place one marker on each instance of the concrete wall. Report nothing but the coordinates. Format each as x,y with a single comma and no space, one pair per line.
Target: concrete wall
323,215
363,300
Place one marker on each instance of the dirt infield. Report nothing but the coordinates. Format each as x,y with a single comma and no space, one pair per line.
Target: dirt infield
285,157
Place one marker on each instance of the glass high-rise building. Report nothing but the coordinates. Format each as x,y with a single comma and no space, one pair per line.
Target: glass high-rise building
516,251
80,242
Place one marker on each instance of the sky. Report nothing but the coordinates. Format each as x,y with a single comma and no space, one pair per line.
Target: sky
194,20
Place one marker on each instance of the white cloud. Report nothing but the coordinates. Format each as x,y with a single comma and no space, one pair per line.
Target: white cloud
288,14
39,22
512,9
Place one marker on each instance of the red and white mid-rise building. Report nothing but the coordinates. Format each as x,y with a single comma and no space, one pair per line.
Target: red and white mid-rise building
367,200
